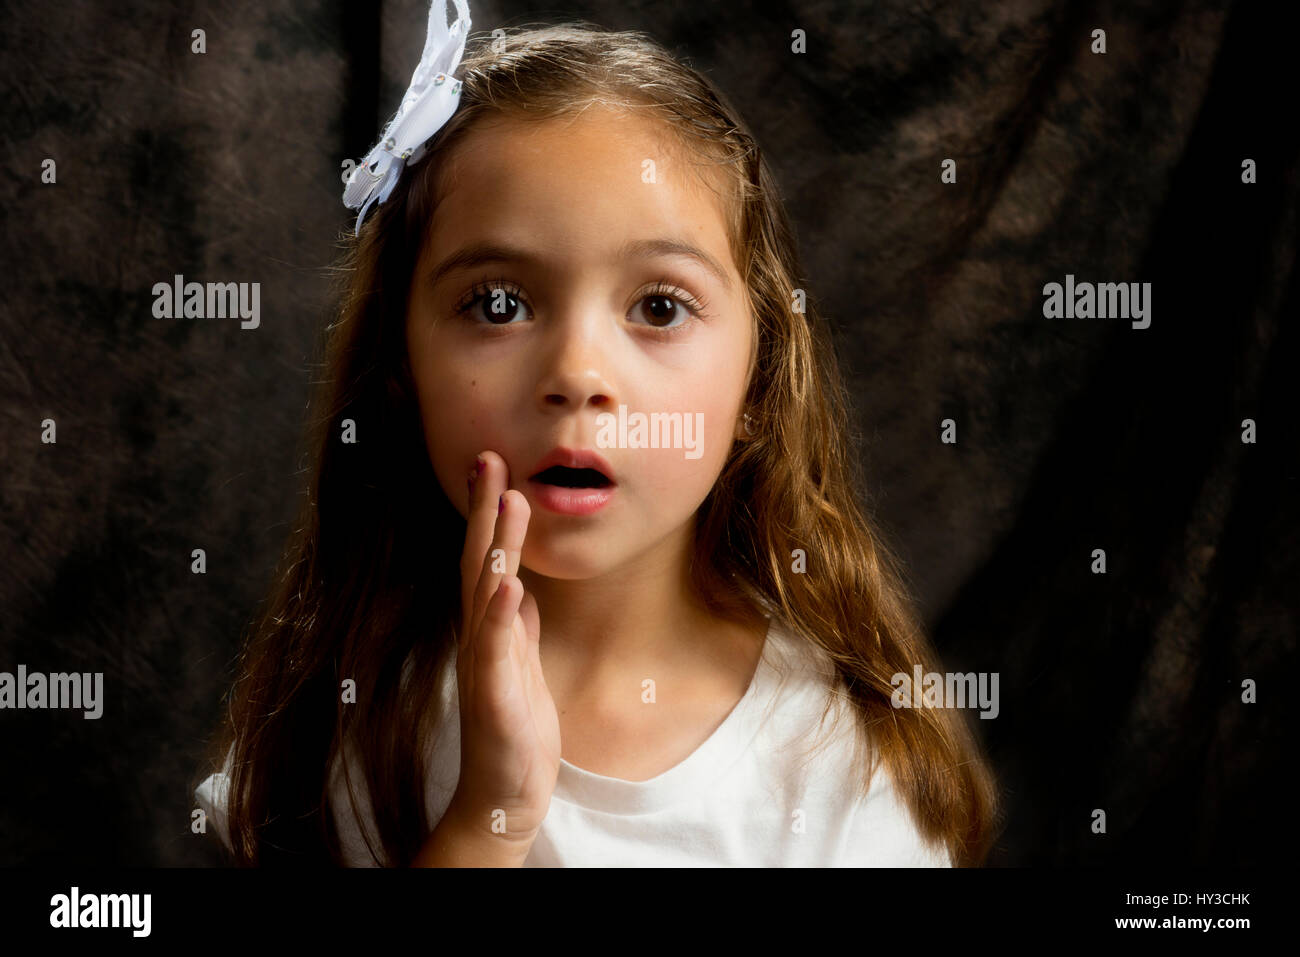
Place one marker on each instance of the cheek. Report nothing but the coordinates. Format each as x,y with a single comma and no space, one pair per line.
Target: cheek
677,480
712,397
673,485
459,415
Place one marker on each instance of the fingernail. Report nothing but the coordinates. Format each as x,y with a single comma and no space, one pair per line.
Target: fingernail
479,465
501,503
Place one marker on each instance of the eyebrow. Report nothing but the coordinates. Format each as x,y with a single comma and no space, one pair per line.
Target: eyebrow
479,254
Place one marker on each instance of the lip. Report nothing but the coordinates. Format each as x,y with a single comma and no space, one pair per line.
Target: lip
574,459
570,501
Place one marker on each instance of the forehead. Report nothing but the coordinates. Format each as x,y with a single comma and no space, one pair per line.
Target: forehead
588,182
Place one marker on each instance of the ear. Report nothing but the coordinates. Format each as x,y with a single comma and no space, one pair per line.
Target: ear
740,432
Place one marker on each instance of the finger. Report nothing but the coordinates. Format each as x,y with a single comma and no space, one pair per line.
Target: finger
502,556
479,530
532,620
492,647
532,630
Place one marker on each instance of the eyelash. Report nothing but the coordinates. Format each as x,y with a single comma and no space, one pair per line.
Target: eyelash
696,305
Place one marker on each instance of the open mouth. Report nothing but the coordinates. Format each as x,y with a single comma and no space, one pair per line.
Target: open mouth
565,477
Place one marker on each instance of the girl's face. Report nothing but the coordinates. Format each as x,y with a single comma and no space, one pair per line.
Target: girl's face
578,269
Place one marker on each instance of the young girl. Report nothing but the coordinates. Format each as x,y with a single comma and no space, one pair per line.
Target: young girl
517,625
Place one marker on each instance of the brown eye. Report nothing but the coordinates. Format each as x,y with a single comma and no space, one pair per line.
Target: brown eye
661,310
667,307
492,303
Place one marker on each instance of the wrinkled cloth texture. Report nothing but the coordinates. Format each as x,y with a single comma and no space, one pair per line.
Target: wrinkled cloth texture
1120,692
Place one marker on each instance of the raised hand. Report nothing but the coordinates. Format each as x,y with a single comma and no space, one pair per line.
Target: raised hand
510,732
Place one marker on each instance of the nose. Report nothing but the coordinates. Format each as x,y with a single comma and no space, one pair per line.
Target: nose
575,364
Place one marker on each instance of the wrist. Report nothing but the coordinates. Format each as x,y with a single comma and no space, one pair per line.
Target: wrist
469,838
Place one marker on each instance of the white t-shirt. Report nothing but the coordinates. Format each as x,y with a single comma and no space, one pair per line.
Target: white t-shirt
749,796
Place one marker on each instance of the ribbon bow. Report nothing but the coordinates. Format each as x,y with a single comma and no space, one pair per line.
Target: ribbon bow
430,100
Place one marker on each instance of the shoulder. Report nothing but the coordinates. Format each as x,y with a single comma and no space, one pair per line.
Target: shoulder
814,740
352,811
213,796
883,833
353,821
350,802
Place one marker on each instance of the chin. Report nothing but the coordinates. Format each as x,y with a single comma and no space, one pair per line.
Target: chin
574,561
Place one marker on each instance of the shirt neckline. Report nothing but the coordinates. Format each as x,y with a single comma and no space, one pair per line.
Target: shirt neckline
693,775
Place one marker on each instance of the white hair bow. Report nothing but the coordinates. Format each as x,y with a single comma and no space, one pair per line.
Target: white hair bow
429,102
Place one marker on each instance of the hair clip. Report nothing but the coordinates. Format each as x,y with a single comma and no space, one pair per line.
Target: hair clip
428,104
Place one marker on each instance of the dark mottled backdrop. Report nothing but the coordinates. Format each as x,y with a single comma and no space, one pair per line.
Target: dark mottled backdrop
1119,691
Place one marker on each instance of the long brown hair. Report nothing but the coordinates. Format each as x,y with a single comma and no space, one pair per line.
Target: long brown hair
370,578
